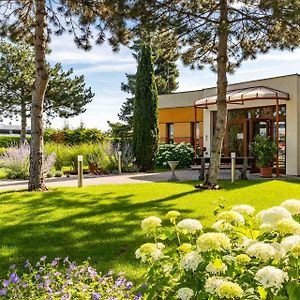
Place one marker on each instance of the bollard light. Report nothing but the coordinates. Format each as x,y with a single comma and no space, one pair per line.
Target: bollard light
120,162
233,157
80,170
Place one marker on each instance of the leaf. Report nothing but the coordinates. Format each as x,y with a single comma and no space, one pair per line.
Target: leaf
293,291
262,293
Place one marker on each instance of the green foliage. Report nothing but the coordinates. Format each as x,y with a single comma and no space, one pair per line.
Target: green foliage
10,141
264,149
74,136
241,256
58,174
145,132
182,152
66,94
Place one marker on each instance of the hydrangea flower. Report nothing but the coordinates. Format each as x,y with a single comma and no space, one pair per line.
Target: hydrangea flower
213,241
173,214
213,283
231,217
288,226
244,209
189,226
262,251
216,267
230,290
290,241
295,251
185,247
150,250
273,215
185,293
221,226
242,259
271,277
191,261
292,205
151,223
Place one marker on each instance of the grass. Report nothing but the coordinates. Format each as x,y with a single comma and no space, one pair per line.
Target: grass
103,222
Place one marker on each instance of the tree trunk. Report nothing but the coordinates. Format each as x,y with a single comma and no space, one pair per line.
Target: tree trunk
23,123
222,60
36,176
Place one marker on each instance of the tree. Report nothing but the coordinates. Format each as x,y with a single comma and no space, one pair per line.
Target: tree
65,96
35,21
223,34
145,122
165,70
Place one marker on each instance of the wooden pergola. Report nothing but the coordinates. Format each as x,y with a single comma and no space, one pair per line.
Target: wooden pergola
240,96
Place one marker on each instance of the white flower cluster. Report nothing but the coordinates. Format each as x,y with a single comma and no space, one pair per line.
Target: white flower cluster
231,217
189,226
191,261
292,205
213,241
271,277
150,251
273,215
244,209
262,251
216,267
150,223
185,293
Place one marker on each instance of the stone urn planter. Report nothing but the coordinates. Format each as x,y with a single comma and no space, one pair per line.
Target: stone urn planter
173,164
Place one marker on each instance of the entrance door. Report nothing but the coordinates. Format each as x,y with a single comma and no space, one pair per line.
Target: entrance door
262,127
236,138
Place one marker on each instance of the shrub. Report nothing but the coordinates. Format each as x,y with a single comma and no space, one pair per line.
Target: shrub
16,161
62,279
58,174
49,175
182,152
241,256
74,137
264,149
10,141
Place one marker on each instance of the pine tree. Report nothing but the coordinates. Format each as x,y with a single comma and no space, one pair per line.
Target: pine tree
66,96
34,22
222,34
165,71
145,122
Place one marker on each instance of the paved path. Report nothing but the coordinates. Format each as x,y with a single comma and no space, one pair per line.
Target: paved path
183,175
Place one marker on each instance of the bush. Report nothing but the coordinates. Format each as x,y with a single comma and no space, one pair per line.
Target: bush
74,137
241,256
62,279
58,174
10,141
16,161
182,152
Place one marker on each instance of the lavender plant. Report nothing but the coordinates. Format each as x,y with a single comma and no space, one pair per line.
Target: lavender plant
63,279
16,161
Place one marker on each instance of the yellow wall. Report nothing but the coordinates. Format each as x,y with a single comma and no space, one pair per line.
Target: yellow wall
179,114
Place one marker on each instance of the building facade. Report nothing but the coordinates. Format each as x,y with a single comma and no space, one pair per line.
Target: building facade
181,121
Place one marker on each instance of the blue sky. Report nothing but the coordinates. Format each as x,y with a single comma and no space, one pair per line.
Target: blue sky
104,71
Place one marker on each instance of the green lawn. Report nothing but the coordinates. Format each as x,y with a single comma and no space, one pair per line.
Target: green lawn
102,222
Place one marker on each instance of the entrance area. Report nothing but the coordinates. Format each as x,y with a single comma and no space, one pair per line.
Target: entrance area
245,124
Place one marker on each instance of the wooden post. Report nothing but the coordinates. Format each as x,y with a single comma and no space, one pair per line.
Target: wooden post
120,161
202,170
80,170
277,137
233,167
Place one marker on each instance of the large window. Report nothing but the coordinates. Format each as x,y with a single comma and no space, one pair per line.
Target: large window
170,133
195,139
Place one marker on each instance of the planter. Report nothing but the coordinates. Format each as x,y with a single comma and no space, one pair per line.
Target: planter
266,172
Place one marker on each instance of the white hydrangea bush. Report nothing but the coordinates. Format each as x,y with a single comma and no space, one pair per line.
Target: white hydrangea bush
243,255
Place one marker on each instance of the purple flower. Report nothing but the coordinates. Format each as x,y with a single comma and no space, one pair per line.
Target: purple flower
54,263
14,277
129,285
3,292
96,296
27,264
138,296
57,274
43,258
37,277
6,282
92,272
119,282
12,267
66,259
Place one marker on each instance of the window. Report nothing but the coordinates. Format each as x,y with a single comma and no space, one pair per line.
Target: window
170,133
193,140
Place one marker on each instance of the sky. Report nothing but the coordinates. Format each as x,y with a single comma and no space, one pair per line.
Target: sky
104,71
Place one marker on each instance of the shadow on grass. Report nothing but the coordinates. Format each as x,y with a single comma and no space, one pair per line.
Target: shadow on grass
102,226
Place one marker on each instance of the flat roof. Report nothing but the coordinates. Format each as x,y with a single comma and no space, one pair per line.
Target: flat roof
248,81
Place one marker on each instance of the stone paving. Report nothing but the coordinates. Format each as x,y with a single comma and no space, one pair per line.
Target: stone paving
182,175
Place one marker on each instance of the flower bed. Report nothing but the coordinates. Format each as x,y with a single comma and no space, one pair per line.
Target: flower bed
242,256
64,280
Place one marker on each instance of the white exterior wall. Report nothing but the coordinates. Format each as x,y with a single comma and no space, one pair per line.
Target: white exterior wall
289,84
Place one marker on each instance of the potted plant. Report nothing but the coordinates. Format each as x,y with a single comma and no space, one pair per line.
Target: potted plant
264,149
